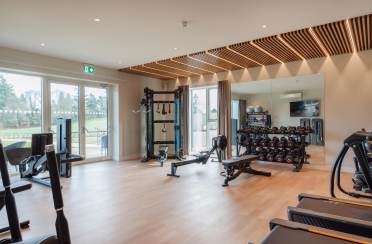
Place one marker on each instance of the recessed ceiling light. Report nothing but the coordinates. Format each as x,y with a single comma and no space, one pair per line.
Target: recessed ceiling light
97,20
264,26
42,44
175,48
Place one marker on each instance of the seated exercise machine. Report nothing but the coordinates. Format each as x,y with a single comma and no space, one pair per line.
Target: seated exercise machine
62,230
235,166
219,145
32,161
283,231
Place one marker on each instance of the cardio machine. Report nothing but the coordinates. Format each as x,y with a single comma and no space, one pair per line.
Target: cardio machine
62,230
219,145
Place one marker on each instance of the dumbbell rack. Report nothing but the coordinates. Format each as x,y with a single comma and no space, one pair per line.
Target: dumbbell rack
300,145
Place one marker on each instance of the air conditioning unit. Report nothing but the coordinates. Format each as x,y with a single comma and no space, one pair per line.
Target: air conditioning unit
291,95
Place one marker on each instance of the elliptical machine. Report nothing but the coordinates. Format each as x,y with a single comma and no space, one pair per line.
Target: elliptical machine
361,144
219,145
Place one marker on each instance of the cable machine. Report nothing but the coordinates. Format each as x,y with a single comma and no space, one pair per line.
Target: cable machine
162,107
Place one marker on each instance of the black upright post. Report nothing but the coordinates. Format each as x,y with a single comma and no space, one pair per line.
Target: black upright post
177,122
62,229
11,208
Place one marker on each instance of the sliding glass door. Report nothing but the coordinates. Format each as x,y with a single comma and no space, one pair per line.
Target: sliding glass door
203,119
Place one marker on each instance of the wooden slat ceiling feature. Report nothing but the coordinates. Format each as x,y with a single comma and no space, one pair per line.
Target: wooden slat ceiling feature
334,37
277,48
233,57
140,69
303,42
177,72
129,70
197,63
361,29
252,52
214,61
181,66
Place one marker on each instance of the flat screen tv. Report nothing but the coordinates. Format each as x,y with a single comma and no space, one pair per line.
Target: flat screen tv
306,108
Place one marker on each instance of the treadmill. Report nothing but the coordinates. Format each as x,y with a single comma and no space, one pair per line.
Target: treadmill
353,217
284,231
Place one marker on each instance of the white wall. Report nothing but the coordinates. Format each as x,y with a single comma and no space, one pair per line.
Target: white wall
127,92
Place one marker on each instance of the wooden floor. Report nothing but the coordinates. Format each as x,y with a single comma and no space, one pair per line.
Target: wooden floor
132,202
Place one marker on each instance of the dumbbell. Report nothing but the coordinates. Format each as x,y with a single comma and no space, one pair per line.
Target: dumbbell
262,154
265,142
291,130
283,129
282,142
270,156
256,142
291,142
292,156
274,130
274,142
280,156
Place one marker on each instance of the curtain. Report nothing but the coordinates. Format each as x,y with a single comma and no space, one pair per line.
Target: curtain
242,112
224,113
185,119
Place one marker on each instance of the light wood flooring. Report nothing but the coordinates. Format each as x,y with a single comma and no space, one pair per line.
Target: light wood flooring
132,202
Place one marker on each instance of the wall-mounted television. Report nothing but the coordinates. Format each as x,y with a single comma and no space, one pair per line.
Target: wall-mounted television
306,108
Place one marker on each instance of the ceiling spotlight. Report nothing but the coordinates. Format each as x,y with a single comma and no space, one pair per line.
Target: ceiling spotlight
97,20
42,44
264,26
175,48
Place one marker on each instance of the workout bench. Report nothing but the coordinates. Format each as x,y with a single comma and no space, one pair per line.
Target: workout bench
235,166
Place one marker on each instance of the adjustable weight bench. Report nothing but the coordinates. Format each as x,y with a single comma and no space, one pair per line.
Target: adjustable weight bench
235,166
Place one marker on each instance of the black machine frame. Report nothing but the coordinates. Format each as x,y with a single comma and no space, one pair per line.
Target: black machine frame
149,103
355,141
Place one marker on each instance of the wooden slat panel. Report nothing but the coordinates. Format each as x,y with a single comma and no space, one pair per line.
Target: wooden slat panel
334,37
167,69
195,63
250,51
181,66
205,57
233,57
137,72
303,42
361,29
277,48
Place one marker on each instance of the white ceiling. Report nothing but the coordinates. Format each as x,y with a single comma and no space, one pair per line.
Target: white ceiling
137,31
279,85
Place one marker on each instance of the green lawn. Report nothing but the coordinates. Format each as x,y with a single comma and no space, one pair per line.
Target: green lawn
91,125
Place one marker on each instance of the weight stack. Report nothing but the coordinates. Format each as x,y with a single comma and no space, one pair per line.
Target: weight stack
318,132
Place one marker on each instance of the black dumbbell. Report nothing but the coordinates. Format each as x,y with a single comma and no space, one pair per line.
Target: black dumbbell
271,155
283,130
292,156
274,130
265,142
291,130
282,142
280,156
262,154
256,142
274,142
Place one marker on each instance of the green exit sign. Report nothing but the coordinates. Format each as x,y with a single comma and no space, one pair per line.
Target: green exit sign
89,69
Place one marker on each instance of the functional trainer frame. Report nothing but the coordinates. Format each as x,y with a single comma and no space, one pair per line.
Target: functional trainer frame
149,103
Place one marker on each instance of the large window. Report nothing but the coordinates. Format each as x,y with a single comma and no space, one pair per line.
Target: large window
204,112
20,107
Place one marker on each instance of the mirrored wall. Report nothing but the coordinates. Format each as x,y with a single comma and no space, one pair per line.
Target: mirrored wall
293,101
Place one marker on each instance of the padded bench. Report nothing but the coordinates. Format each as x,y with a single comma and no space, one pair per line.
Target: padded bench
235,166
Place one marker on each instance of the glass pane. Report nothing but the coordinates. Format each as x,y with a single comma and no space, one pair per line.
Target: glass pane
198,120
65,104
213,104
96,133
20,110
